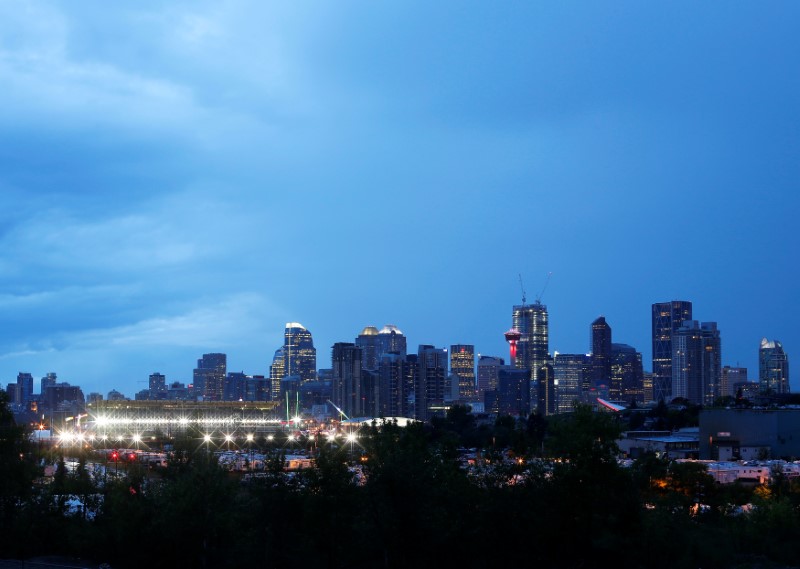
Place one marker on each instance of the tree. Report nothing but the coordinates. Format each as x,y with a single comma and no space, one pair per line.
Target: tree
17,471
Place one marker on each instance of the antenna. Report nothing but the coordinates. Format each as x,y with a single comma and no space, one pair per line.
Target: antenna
544,288
521,288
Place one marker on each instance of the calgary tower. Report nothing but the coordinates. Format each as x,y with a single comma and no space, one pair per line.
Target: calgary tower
512,337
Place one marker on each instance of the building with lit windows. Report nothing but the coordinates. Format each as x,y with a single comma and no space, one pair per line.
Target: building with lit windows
462,366
209,376
773,367
429,389
396,381
300,356
276,373
391,340
157,382
696,362
627,374
546,390
667,317
730,377
367,340
531,321
569,371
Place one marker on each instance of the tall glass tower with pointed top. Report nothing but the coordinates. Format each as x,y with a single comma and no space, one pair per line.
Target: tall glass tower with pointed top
773,367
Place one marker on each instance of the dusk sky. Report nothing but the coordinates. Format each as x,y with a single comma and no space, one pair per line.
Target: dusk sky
186,177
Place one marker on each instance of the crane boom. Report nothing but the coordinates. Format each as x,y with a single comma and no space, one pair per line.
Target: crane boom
544,288
522,288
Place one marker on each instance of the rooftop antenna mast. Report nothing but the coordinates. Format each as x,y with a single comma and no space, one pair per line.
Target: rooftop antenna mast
521,288
544,288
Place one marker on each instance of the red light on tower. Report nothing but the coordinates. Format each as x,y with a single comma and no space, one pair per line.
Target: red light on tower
512,337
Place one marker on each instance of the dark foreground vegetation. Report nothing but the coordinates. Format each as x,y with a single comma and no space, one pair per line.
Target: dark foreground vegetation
416,506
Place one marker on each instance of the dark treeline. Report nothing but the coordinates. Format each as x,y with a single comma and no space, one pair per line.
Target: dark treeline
415,506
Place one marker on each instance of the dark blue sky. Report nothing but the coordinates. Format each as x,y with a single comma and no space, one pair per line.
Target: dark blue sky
180,178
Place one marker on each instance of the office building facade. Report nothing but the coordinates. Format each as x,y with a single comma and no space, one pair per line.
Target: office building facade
696,362
531,321
667,317
300,356
569,371
209,376
462,366
773,367
601,356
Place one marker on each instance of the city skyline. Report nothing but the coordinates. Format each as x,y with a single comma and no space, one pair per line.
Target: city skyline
185,179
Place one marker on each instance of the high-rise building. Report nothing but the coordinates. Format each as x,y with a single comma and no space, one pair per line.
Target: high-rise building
209,376
277,371
347,372
546,390
25,382
730,377
773,367
696,362
47,381
430,385
488,367
627,374
157,382
569,371
256,388
667,317
300,356
390,340
513,391
601,356
367,340
462,365
530,320
396,381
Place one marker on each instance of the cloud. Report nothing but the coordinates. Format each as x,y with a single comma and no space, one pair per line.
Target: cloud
222,323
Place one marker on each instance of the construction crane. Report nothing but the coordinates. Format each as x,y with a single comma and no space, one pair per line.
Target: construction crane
522,288
544,288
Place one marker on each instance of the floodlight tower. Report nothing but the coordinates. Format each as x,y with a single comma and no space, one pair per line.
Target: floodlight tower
512,337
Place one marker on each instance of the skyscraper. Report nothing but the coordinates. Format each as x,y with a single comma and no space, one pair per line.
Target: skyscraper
397,376
347,385
429,389
25,382
488,367
546,390
773,367
627,374
157,382
47,381
300,356
601,356
367,340
209,376
513,391
568,372
462,364
697,362
277,371
530,320
391,340
667,317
